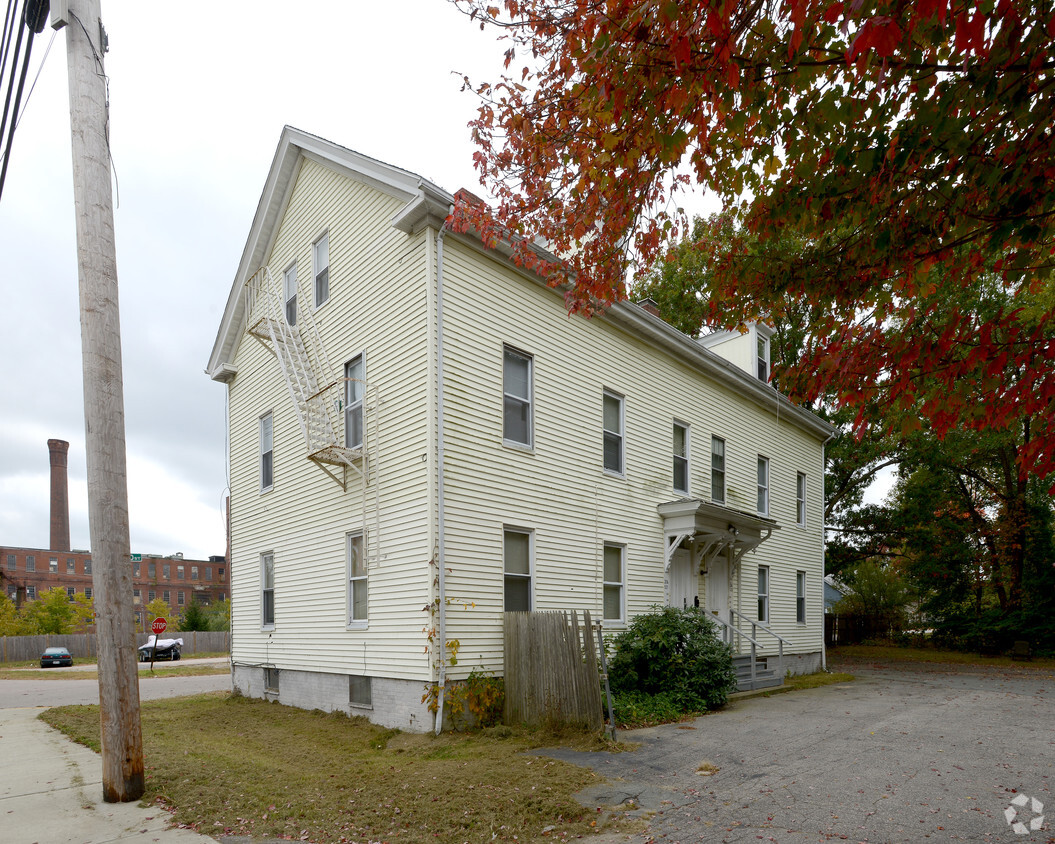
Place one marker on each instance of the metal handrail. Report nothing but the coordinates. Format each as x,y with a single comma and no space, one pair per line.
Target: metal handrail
754,627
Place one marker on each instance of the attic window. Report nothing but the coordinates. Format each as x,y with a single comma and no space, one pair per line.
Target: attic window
763,358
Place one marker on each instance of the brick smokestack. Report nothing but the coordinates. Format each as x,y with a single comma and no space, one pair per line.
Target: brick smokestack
60,499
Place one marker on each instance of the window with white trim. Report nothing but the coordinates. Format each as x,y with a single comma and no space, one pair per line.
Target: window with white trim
517,422
180,598
681,458
800,597
320,261
763,485
614,579
516,556
267,590
763,594
717,470
762,358
614,438
289,293
357,579
31,562
70,566
71,591
267,452
31,592
800,499
353,402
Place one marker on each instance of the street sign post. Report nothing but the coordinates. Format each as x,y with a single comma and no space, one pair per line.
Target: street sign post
157,627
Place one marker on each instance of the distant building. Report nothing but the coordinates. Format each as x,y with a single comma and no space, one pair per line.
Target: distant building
27,572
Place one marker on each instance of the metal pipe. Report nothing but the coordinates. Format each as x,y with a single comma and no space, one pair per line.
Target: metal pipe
441,556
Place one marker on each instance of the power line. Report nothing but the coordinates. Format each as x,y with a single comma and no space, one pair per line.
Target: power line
34,16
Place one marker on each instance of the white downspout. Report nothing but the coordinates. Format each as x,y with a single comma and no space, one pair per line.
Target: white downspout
441,557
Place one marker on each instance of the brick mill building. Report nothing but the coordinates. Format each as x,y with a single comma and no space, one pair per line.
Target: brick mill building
25,573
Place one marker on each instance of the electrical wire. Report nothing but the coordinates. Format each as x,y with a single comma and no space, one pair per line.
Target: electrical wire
33,17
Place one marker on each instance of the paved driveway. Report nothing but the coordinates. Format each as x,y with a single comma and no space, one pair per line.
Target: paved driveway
904,754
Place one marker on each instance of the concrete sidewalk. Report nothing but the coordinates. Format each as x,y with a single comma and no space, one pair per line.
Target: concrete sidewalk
51,791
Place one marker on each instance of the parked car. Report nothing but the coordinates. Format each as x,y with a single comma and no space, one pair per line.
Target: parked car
55,656
166,649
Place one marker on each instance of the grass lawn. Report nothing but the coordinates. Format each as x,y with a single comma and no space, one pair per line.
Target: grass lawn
893,653
227,764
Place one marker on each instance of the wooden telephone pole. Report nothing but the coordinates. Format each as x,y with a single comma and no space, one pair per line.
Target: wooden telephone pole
104,419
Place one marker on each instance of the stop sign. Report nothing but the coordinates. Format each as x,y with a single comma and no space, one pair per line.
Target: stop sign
158,625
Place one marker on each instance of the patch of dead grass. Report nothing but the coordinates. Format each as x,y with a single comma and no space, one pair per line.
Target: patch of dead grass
241,766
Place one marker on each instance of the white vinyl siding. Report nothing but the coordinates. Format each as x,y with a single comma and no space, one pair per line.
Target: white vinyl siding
516,397
307,516
320,263
614,436
681,458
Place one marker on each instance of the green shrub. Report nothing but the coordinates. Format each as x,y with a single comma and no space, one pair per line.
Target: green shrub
675,653
639,709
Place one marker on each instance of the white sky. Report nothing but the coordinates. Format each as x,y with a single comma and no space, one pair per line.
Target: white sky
199,92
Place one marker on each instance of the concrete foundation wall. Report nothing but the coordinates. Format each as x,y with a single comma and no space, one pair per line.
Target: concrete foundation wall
394,703
796,664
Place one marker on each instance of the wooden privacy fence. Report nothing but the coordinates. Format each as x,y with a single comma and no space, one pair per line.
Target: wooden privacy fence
551,673
82,645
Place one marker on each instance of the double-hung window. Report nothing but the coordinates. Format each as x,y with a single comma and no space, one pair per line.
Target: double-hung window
800,499
763,485
800,597
53,565
289,293
762,359
31,562
717,470
517,564
516,397
681,458
353,402
614,577
320,259
267,590
357,580
614,438
267,452
763,594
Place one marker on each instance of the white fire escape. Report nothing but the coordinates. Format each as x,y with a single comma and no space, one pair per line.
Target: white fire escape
318,393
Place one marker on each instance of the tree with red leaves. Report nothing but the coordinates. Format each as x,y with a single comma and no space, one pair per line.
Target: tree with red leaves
909,146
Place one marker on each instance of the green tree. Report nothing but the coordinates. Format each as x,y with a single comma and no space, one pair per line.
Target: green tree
193,618
51,612
157,609
877,592
10,622
219,614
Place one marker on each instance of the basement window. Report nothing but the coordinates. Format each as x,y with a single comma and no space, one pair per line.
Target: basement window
359,692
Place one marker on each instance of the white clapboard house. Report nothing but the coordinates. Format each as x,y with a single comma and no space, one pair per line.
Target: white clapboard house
421,438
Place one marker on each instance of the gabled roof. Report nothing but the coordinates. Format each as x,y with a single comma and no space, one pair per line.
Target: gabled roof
427,205
422,198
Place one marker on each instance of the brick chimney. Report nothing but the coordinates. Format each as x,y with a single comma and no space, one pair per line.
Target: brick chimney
60,499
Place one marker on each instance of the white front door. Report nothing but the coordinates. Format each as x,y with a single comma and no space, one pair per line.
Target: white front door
683,583
718,587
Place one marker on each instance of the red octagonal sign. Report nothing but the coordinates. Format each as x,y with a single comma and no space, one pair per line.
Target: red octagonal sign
158,625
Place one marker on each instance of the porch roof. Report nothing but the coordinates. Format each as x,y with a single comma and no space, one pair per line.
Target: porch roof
708,529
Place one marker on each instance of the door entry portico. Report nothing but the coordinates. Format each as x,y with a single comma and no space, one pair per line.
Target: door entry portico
713,538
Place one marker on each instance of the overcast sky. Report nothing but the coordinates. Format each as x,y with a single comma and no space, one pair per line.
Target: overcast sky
199,93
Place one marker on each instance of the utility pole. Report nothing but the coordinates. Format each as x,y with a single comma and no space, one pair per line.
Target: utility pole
104,416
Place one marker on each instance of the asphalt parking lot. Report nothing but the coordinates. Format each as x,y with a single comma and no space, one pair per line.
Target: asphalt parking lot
903,754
